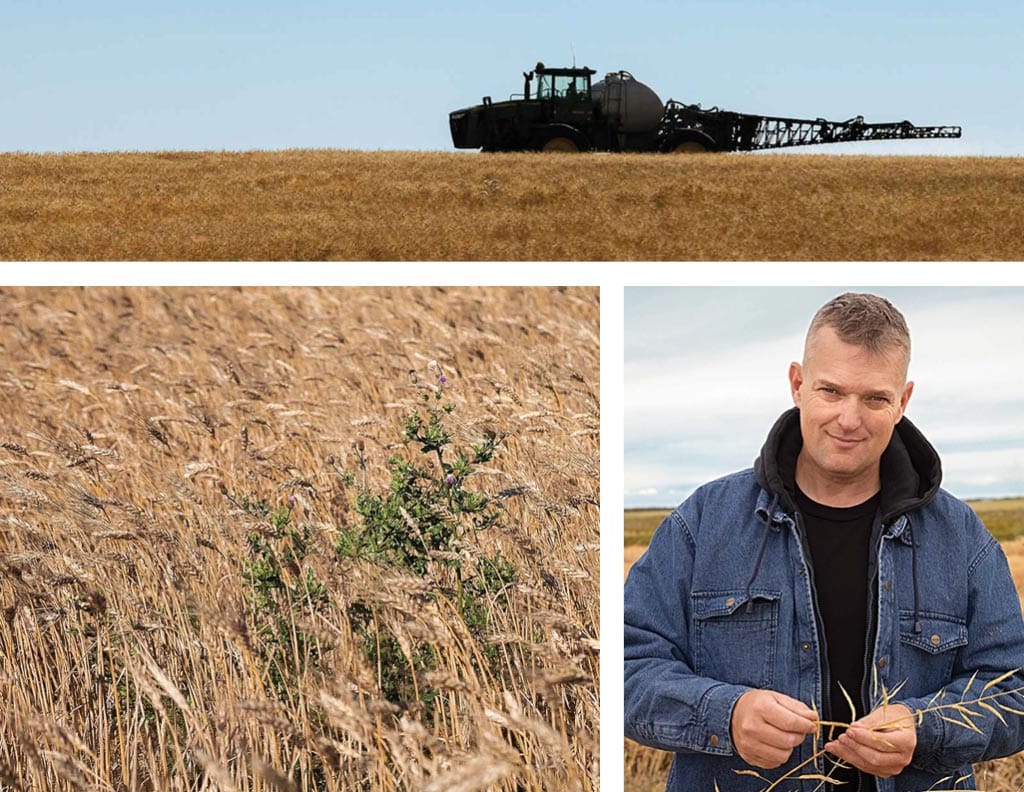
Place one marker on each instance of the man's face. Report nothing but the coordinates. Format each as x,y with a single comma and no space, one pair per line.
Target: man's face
850,401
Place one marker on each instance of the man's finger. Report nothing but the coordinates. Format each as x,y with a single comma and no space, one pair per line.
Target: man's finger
850,754
856,754
782,740
882,741
785,719
883,721
796,707
877,753
768,757
888,716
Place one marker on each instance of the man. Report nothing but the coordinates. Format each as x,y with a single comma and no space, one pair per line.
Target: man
834,575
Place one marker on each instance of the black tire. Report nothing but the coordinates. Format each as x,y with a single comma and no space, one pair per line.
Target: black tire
560,138
560,143
688,147
688,142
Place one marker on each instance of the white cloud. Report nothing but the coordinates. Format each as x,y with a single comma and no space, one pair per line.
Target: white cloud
980,473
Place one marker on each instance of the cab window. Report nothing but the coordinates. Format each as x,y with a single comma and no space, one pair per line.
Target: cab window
544,86
571,88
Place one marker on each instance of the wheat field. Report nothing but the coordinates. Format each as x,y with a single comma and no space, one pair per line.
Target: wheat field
370,206
176,469
647,769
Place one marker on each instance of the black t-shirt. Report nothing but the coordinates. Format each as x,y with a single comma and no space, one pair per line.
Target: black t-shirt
839,540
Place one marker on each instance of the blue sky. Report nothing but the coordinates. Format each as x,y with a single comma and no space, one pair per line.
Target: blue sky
705,377
109,75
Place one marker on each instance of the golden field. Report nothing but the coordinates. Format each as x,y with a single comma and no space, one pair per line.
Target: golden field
646,769
347,205
183,473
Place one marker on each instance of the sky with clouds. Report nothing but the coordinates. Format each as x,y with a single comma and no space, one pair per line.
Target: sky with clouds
706,376
119,75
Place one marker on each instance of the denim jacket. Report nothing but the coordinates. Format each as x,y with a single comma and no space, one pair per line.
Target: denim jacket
723,601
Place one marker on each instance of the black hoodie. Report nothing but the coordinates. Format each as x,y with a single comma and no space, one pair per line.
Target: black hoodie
910,471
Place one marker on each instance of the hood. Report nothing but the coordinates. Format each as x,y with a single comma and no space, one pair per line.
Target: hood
911,471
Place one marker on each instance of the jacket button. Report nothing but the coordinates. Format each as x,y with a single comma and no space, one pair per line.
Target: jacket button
936,640
888,585
805,646
714,741
730,602
881,662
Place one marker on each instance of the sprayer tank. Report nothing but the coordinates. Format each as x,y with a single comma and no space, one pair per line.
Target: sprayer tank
636,106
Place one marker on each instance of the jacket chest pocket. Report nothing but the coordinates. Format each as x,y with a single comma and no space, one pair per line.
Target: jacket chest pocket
735,635
926,657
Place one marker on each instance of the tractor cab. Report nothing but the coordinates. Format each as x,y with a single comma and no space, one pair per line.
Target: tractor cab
571,86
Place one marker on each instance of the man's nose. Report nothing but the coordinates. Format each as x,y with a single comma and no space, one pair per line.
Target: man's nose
849,414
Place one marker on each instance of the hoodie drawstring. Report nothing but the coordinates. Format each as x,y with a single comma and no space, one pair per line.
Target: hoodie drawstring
760,553
913,573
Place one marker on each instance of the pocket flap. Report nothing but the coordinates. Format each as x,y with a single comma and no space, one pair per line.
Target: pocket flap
710,604
939,633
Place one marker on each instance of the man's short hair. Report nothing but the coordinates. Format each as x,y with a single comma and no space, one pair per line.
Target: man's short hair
865,320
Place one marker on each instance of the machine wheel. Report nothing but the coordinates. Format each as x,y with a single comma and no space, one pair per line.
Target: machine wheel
560,138
560,143
688,141
688,147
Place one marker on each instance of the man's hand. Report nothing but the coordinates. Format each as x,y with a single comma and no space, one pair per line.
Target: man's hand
881,743
767,726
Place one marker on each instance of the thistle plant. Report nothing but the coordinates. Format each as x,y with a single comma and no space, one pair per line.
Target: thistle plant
278,601
421,525
428,510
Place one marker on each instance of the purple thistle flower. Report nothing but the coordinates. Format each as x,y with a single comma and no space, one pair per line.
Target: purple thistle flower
449,479
443,379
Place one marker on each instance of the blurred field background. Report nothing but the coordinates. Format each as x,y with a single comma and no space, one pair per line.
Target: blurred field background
176,469
348,205
647,769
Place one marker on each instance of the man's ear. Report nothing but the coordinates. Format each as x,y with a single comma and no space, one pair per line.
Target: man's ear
907,390
796,379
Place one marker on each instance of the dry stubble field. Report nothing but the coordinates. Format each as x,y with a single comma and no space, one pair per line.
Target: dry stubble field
182,476
346,205
646,769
